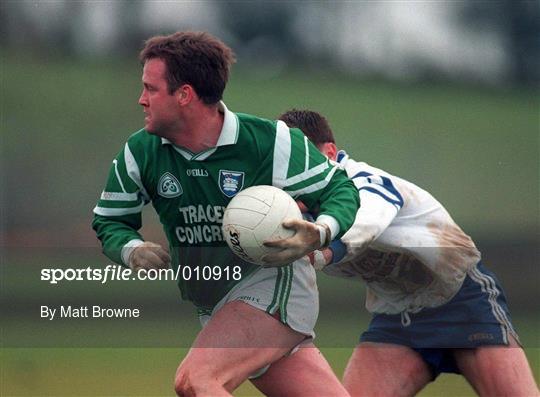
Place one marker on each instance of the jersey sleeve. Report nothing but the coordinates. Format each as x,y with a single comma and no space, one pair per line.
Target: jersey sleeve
307,175
381,202
117,215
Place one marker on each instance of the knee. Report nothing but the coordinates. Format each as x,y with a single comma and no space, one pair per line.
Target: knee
183,385
385,377
190,382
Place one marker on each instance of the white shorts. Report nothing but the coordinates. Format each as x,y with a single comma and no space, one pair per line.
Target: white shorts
289,293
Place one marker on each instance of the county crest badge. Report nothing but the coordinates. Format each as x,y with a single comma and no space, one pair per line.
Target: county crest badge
168,186
230,182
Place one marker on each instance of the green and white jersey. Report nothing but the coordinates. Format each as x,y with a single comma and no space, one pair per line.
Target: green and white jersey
190,191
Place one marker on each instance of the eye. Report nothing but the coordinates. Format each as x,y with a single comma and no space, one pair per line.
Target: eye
149,87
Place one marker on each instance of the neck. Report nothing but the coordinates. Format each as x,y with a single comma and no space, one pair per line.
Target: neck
200,129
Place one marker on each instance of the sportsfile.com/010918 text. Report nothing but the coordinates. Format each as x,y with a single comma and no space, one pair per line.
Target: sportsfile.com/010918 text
119,273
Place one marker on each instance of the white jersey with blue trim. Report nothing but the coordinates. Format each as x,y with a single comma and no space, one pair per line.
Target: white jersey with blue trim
403,244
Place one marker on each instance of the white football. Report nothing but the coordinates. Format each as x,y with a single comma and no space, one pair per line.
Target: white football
254,215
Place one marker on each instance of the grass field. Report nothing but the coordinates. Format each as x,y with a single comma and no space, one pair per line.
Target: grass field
141,372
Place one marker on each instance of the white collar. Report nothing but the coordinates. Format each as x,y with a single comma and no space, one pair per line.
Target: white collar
227,136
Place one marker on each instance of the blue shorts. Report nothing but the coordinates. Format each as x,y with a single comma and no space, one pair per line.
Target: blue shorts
476,316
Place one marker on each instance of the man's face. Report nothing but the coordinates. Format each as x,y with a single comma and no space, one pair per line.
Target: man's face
161,109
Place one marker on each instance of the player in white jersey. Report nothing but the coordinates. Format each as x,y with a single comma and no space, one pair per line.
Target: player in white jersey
435,307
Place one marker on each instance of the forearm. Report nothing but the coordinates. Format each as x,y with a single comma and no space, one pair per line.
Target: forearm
339,201
114,234
371,220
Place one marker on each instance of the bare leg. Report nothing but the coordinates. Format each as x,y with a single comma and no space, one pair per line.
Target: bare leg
237,341
304,373
497,370
383,369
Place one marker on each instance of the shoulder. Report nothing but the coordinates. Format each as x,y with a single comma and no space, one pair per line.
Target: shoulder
275,129
253,123
359,168
257,131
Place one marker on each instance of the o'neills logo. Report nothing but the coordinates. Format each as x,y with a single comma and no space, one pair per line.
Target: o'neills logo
234,238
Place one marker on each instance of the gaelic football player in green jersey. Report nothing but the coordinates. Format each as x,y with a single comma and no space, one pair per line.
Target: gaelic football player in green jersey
192,156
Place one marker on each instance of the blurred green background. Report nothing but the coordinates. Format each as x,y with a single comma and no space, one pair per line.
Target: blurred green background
65,114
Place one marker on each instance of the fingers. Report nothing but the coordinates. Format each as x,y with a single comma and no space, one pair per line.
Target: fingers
163,255
280,258
145,259
293,224
149,256
281,244
306,239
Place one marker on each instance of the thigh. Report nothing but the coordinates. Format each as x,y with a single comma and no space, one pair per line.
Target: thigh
288,293
497,370
383,369
238,340
304,373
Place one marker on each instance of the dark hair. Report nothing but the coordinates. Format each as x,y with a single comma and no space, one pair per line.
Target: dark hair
313,125
195,58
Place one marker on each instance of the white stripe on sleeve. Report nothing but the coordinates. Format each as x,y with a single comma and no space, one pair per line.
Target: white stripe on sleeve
282,154
103,211
133,171
115,196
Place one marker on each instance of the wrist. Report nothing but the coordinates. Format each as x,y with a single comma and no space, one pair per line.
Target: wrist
128,249
331,222
339,250
325,234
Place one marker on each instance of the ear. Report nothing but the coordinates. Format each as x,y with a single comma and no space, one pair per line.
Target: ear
329,149
185,94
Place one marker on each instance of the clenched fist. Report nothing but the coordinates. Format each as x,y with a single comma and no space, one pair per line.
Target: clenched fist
320,258
149,255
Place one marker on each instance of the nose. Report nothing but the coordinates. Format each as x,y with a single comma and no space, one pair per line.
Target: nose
142,100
